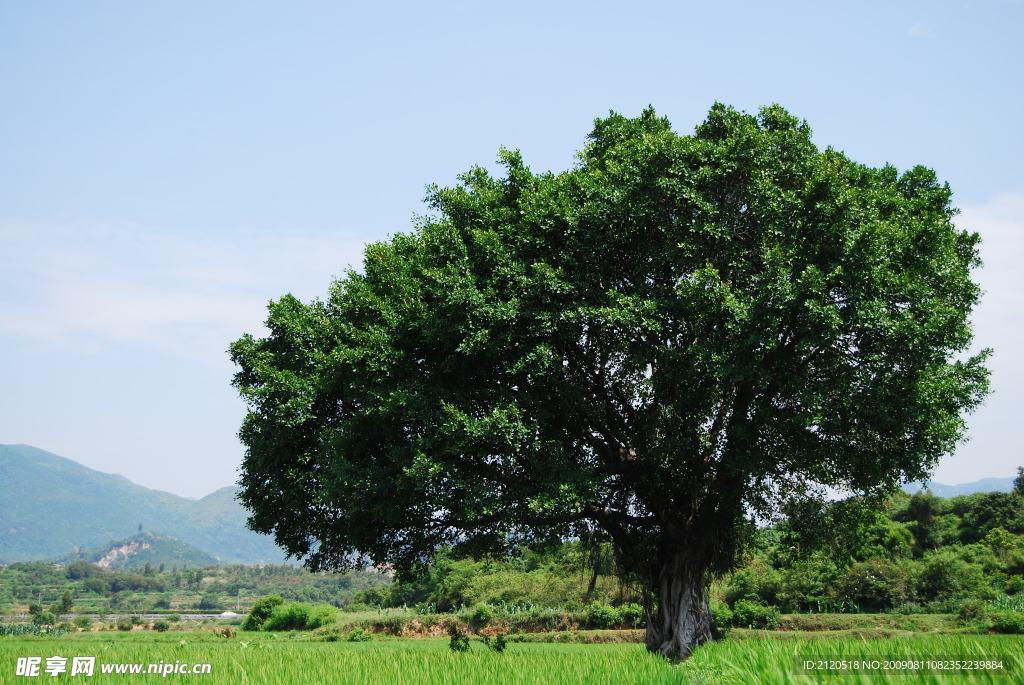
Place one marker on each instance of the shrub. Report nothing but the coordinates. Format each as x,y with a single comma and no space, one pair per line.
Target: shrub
44,618
945,575
174,618
459,641
359,635
481,615
721,620
1010,622
82,622
374,597
209,600
970,611
320,616
124,623
261,611
498,644
877,584
288,617
632,615
161,626
601,616
748,614
757,581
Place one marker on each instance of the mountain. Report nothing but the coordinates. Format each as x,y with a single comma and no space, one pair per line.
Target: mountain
983,485
52,506
139,550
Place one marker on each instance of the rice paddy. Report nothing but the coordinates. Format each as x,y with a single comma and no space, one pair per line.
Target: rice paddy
258,659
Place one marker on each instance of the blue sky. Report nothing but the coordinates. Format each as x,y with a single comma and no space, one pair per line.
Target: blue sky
168,168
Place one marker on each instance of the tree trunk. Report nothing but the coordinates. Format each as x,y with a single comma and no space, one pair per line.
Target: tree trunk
683,619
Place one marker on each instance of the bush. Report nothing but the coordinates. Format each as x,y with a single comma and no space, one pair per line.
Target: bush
459,641
498,644
124,623
971,611
320,616
944,575
288,617
161,626
174,618
721,620
481,615
748,614
374,597
632,615
877,584
601,616
358,635
1009,622
757,581
261,611
44,618
209,600
82,622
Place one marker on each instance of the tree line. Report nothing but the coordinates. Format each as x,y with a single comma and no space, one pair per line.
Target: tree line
912,554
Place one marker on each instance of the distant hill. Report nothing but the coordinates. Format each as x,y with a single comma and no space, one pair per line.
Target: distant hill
139,550
983,485
52,506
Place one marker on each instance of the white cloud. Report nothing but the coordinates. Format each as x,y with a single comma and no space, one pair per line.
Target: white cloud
185,293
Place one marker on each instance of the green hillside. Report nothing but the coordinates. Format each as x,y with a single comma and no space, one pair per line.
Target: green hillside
51,506
139,550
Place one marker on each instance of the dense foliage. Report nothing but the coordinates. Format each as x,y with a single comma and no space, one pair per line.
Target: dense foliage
921,554
679,331
158,588
918,554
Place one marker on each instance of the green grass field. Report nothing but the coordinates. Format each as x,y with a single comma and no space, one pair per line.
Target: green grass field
259,658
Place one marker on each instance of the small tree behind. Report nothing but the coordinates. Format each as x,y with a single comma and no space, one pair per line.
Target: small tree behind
67,603
261,611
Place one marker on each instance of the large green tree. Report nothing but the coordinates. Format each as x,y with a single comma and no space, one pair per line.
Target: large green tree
678,335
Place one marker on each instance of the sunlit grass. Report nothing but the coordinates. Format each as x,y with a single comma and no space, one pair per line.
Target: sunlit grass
774,662
260,658
417,662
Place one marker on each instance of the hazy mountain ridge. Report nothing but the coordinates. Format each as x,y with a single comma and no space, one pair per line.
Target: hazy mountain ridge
983,485
52,506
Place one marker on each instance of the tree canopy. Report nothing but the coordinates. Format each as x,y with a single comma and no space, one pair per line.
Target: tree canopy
679,334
